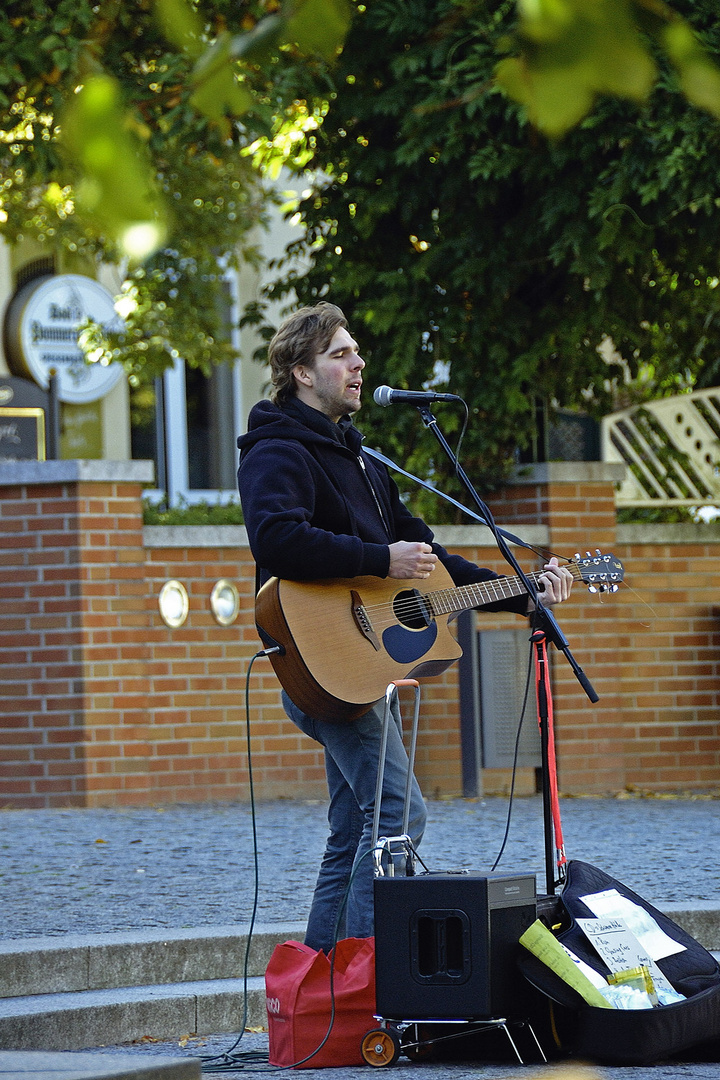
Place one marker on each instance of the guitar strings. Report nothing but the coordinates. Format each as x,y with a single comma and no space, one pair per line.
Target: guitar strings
507,586
416,604
420,605
502,587
644,602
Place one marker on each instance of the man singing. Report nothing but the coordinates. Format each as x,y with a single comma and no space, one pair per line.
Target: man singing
316,506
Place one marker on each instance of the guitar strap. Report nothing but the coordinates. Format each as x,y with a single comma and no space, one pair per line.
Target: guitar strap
436,491
448,498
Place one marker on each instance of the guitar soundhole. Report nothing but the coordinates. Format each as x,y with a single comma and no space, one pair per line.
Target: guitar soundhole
412,610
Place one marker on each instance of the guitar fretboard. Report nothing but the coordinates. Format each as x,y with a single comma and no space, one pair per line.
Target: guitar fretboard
448,601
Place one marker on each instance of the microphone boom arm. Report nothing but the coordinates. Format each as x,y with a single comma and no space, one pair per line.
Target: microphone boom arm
542,618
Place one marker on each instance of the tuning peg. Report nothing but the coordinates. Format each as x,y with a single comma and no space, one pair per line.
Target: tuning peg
588,555
598,551
592,588
576,555
614,588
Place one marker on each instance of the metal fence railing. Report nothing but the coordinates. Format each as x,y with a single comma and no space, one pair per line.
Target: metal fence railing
671,447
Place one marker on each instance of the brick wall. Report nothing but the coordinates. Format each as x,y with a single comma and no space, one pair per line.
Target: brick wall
651,651
103,704
670,658
75,686
576,503
43,738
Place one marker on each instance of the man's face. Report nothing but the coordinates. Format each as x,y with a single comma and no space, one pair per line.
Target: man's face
334,382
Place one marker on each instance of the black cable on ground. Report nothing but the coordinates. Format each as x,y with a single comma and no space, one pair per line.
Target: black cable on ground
230,1059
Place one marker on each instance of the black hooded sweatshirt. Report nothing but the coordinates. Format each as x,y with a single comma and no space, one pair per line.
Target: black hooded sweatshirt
316,506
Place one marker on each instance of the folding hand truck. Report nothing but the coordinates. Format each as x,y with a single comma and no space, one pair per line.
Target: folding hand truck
395,855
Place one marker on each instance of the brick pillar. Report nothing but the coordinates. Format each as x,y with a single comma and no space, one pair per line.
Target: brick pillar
73,680
575,500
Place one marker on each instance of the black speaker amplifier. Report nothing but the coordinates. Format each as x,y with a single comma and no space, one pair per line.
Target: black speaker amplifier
446,943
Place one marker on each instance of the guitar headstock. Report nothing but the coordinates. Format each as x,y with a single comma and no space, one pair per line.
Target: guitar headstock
601,573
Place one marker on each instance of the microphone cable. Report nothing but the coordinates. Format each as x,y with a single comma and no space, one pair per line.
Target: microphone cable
516,754
230,1060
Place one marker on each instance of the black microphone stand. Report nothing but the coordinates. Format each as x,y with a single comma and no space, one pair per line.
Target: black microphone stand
545,628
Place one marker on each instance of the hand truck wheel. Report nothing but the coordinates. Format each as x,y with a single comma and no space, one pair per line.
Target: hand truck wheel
381,1046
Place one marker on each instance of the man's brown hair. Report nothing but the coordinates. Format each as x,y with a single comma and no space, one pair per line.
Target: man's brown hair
298,340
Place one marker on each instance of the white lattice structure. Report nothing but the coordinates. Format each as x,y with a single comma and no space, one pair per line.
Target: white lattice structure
671,448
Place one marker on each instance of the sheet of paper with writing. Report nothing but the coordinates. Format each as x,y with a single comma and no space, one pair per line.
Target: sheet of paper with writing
612,904
618,946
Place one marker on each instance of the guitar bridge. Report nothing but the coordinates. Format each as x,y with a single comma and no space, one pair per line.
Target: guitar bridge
362,620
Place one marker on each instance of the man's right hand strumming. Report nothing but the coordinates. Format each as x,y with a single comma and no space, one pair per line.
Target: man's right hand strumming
411,560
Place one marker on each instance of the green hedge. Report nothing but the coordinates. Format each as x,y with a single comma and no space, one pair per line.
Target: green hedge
202,513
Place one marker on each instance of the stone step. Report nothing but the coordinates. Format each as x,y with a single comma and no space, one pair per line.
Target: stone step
73,1021
700,918
41,1065
77,991
78,962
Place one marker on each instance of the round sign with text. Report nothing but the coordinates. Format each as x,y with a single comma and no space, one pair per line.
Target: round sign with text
44,321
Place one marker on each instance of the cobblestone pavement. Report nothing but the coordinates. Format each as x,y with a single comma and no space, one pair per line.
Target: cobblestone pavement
250,1057
96,871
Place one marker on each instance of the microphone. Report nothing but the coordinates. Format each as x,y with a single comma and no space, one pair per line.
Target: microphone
385,395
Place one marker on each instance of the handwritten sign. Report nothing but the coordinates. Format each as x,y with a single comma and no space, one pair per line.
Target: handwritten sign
616,944
612,904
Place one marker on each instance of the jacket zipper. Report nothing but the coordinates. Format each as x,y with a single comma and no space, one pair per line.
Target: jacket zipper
374,495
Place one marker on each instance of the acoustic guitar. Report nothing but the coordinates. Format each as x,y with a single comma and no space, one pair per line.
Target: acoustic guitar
343,640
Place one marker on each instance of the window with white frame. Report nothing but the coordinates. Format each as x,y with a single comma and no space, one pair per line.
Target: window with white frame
187,423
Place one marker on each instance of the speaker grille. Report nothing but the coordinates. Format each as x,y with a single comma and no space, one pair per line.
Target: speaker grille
440,946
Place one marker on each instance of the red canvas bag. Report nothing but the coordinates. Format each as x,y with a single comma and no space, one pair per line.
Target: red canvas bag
299,1005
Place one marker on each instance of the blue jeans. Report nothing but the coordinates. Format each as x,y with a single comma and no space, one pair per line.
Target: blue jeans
352,753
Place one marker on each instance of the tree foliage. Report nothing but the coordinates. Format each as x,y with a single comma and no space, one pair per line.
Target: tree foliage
572,51
472,254
125,127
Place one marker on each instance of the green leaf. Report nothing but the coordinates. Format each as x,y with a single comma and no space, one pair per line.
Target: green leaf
116,182
259,44
555,100
217,92
575,52
586,49
318,26
181,25
699,76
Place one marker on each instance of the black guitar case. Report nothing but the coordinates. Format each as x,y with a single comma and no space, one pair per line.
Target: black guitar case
617,1036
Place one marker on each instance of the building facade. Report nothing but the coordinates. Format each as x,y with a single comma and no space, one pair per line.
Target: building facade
107,703
185,422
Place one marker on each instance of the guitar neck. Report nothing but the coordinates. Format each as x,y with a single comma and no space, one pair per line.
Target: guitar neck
464,597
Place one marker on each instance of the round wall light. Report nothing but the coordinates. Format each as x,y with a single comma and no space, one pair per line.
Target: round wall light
173,603
225,602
